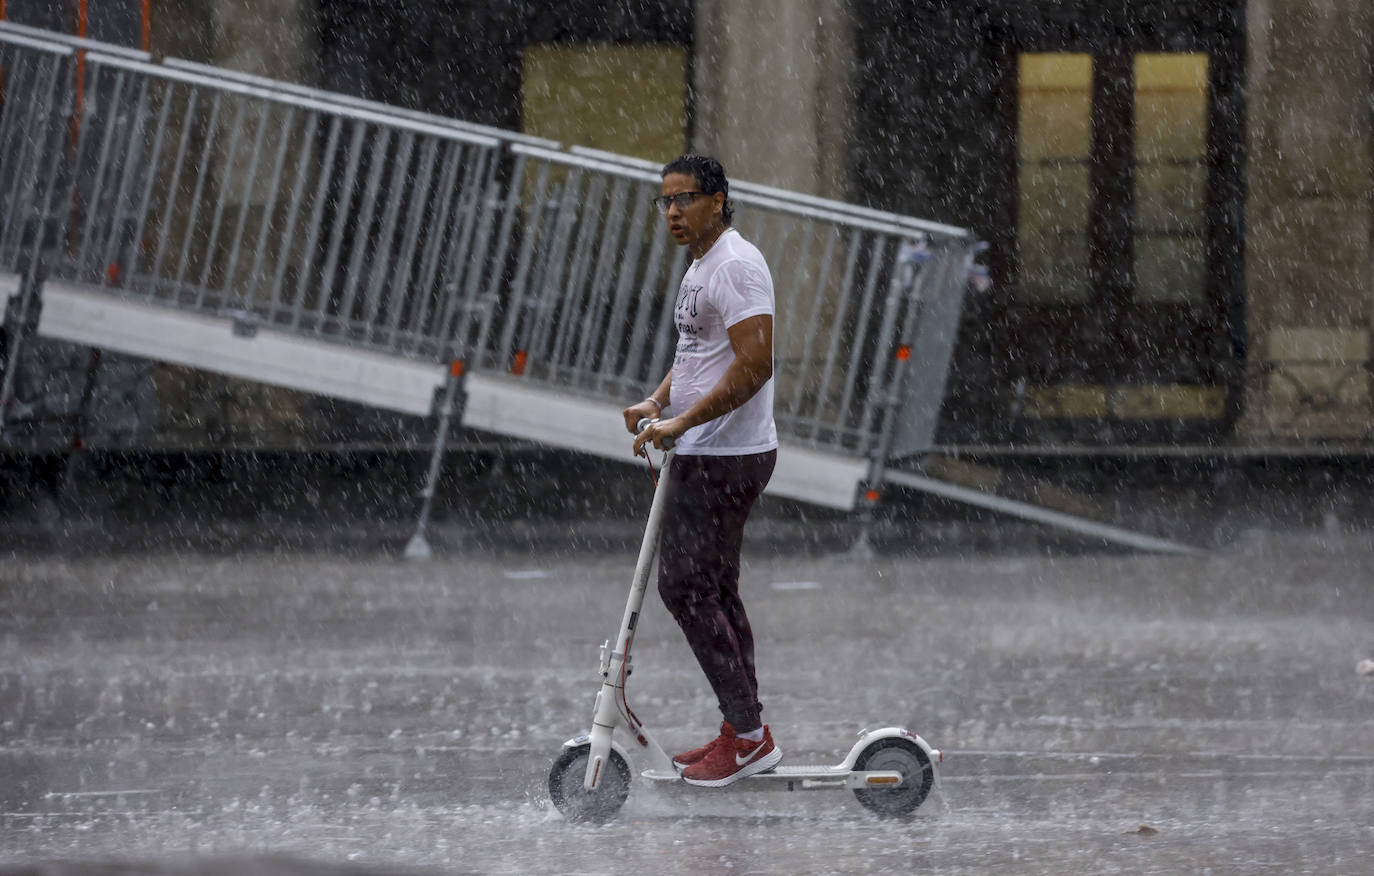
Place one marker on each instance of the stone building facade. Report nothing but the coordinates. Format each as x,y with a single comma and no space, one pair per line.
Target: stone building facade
1309,271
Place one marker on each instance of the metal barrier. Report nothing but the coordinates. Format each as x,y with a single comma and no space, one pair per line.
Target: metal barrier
35,115
505,136
36,90
72,41
590,300
208,194
339,219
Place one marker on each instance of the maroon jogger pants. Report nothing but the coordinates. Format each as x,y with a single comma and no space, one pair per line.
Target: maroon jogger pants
709,499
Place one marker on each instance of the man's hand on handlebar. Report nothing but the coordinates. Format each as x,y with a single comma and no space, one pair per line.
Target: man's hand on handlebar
662,434
645,410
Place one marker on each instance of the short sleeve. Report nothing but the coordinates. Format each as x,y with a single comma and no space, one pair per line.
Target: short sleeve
741,290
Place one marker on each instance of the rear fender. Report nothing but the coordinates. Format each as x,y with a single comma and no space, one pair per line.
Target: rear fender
868,737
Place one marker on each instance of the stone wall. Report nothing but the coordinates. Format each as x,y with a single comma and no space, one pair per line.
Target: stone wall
1308,236
773,89
774,102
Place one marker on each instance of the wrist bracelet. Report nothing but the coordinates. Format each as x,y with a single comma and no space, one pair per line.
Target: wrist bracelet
653,401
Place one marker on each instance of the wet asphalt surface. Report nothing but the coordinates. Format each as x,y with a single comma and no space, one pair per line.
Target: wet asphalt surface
296,711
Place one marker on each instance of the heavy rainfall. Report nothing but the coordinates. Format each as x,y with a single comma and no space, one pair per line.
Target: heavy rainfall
325,321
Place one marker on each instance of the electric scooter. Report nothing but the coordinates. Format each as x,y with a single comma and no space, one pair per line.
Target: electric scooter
891,770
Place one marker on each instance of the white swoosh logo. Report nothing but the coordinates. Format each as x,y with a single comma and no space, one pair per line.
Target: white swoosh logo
741,761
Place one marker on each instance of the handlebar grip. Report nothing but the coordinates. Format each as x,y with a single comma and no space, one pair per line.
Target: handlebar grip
646,422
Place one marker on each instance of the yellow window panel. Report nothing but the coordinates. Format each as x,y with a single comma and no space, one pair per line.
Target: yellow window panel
629,99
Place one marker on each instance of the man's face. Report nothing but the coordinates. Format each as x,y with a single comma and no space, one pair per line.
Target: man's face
696,223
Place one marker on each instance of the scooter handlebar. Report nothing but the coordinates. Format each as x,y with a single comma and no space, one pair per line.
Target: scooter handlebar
645,423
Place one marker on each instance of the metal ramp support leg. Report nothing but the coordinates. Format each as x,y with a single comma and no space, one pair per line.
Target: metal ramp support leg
18,331
929,290
454,396
68,496
871,488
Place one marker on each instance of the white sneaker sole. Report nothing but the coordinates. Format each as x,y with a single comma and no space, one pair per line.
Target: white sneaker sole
762,765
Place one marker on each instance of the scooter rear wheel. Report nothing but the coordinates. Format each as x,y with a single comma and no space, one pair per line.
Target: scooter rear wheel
902,756
576,802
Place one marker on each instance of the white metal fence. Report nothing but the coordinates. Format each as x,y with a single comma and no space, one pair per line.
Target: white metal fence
35,82
214,195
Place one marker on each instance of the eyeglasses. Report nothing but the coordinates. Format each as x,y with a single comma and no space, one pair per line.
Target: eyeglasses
683,200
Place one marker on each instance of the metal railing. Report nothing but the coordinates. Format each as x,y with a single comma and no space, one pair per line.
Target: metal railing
72,41
35,115
591,297
213,195
292,88
340,219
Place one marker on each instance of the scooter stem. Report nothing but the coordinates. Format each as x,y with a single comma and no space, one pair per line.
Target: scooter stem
607,713
648,557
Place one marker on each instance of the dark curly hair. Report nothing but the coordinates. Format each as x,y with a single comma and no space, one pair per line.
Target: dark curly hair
708,173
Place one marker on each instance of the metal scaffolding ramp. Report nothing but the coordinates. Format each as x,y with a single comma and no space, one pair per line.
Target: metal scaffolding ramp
337,246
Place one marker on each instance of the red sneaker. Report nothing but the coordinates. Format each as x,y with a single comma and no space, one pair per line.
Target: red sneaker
732,760
687,758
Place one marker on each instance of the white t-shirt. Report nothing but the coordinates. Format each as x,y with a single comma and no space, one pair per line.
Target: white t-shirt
727,285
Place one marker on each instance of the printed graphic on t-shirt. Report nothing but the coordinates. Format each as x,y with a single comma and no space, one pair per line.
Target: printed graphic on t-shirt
685,314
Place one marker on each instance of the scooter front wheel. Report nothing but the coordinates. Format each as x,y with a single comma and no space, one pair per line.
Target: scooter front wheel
576,802
902,756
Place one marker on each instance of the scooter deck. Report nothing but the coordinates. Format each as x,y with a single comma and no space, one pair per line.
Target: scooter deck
798,778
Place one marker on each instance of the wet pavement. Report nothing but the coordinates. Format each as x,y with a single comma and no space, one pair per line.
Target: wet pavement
304,712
